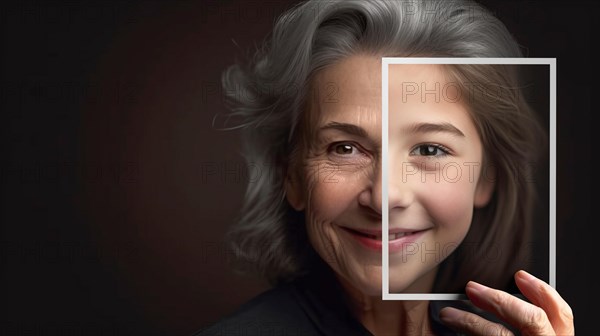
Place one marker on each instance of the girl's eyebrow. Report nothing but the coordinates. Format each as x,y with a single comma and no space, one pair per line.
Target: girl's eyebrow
434,128
347,128
414,128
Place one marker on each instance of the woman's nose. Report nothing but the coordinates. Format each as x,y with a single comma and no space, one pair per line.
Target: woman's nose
399,193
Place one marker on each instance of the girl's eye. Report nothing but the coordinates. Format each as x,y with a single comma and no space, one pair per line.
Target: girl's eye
430,150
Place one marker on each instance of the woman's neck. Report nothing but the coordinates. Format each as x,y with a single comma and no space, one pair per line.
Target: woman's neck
391,317
394,317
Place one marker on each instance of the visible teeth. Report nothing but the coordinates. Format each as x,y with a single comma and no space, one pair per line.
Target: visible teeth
399,235
391,236
394,236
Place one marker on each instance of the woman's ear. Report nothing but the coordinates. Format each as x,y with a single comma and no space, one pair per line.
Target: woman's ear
485,186
293,190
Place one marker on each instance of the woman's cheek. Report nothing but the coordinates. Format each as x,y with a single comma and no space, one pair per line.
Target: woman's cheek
330,203
333,191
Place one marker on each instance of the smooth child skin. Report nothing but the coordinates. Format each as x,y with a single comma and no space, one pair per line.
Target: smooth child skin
338,186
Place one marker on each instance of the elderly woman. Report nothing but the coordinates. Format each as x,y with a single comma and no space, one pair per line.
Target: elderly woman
310,103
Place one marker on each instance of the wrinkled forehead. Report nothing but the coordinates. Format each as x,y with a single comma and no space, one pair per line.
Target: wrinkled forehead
350,91
347,91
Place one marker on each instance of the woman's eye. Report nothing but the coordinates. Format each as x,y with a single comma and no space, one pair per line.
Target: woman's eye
430,150
344,149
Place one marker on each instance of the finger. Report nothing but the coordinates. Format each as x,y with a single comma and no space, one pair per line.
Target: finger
528,318
543,295
471,324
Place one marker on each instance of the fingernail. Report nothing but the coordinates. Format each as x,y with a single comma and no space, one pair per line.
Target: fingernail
449,314
476,287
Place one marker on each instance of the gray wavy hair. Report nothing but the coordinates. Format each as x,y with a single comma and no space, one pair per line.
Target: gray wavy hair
267,97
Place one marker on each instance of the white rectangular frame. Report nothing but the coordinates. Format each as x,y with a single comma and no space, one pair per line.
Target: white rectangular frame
386,61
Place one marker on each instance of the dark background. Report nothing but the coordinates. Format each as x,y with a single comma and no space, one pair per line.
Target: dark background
116,190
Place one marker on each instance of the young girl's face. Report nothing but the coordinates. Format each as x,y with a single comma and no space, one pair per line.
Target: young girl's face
434,170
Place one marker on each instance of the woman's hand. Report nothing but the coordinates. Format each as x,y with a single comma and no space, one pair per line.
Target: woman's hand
548,314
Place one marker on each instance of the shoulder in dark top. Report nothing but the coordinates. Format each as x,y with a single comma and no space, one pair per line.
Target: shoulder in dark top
274,312
310,305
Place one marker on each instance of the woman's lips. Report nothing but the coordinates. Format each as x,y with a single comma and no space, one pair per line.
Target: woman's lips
397,238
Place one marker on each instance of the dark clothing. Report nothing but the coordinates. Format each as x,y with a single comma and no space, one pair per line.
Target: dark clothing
311,305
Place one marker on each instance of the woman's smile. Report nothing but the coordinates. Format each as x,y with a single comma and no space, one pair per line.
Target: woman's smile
398,239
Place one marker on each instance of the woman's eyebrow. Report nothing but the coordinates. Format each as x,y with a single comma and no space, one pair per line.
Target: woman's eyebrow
434,128
347,128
